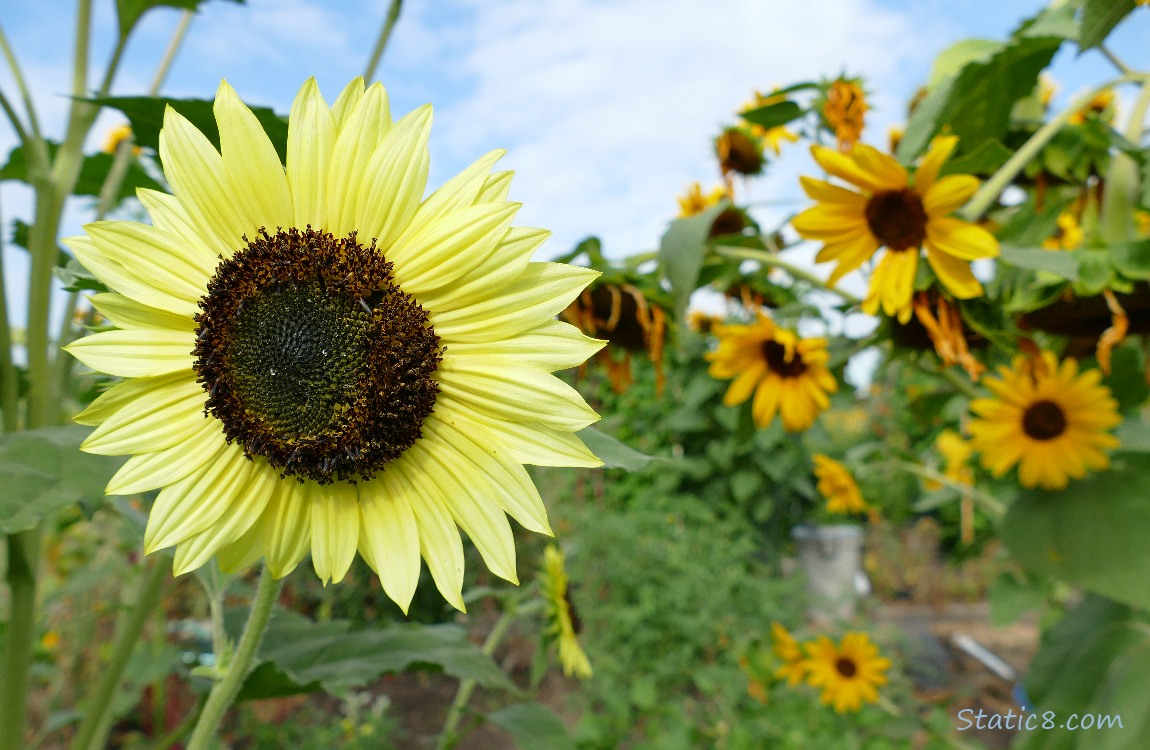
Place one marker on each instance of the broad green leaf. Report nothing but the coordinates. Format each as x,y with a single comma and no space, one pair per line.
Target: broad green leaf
1010,599
44,470
957,56
302,656
1127,379
76,278
532,727
1132,259
93,172
984,160
1062,264
129,12
1080,663
1099,17
1092,534
613,453
681,253
773,115
146,116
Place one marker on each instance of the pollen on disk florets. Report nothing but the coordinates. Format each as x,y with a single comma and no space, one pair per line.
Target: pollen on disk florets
313,357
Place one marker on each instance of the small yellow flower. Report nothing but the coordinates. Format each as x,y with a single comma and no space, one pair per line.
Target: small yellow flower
561,621
116,136
848,673
1142,218
694,202
892,212
845,112
772,138
837,486
956,452
1046,417
1101,105
794,667
1067,236
50,640
786,374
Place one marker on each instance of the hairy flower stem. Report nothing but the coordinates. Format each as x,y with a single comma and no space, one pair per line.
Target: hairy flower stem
236,670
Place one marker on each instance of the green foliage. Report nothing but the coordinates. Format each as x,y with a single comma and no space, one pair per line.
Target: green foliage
129,12
93,173
146,116
1099,17
613,453
1093,536
1104,646
773,115
681,253
532,726
44,471
302,656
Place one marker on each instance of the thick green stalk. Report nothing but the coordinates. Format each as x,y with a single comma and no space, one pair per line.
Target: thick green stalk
384,36
39,152
8,381
237,669
23,556
1118,199
770,259
93,731
448,738
1000,180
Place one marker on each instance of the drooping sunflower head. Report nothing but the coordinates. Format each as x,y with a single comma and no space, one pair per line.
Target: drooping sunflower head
890,210
630,322
739,152
1046,417
848,672
320,360
786,374
562,622
844,111
837,486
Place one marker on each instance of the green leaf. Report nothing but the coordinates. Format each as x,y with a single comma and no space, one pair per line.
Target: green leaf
93,172
1093,661
1010,599
1132,259
1134,435
129,12
76,278
1092,534
302,656
1099,17
681,253
1127,379
773,115
1062,264
983,160
613,453
146,116
532,727
43,471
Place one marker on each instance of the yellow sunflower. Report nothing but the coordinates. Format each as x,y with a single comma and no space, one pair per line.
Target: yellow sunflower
848,673
845,111
837,486
1100,106
890,211
1067,235
1046,417
956,452
321,360
694,202
772,138
795,666
786,374
561,621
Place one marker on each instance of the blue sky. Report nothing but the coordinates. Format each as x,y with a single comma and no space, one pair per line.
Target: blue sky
607,107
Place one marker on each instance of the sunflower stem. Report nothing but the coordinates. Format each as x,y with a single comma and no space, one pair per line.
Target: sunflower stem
170,53
40,151
389,22
225,691
1116,223
93,731
20,636
448,737
1000,180
770,259
9,397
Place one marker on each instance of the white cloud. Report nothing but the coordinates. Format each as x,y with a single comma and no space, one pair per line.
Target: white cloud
611,107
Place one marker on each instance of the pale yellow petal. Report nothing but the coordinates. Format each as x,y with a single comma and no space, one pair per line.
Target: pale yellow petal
125,312
334,529
122,394
516,393
150,471
289,519
252,170
354,145
394,180
551,346
495,187
439,541
192,504
311,139
526,442
389,535
136,352
500,267
120,271
239,515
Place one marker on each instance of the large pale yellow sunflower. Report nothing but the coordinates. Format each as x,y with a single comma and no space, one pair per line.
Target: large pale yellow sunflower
892,212
320,359
786,374
562,624
1048,418
849,672
837,486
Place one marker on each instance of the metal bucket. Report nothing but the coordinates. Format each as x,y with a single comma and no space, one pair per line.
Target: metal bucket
831,559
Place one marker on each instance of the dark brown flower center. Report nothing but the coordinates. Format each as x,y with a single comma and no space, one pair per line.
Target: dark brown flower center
897,218
846,667
313,357
1044,420
776,356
